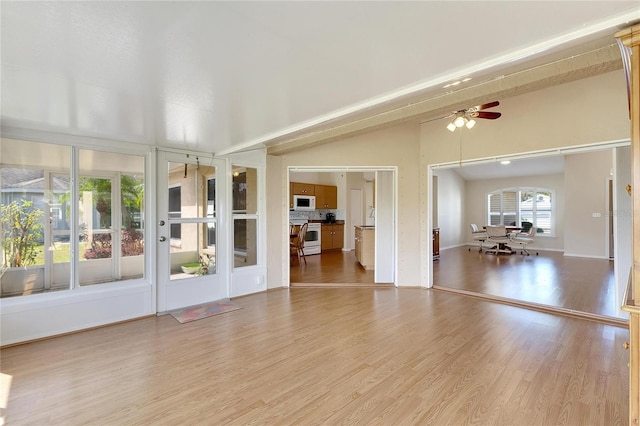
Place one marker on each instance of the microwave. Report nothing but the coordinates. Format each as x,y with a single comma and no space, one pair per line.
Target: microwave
304,202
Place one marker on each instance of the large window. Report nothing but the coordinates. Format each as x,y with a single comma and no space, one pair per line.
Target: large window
522,207
41,244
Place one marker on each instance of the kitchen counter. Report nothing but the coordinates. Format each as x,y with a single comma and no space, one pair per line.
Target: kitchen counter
365,246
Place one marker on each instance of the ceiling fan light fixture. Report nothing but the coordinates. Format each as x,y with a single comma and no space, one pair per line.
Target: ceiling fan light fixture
459,121
451,127
470,123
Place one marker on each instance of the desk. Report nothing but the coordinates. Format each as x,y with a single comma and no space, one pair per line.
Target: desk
509,229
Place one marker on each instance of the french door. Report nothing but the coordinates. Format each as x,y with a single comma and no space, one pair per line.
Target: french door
192,238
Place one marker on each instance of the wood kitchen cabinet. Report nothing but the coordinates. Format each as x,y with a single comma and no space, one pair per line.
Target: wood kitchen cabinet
332,236
326,197
303,188
365,246
297,188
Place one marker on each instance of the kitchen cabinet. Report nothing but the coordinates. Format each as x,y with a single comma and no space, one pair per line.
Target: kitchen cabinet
365,246
303,188
297,188
326,197
332,236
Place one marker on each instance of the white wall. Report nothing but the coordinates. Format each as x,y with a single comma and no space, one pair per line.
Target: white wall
451,209
586,203
622,224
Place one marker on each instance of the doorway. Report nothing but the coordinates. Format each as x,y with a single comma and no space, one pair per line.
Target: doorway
355,208
560,255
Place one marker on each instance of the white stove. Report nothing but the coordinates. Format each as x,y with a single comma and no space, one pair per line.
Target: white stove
312,243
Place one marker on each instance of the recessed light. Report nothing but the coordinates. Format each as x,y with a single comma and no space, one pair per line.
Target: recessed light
505,162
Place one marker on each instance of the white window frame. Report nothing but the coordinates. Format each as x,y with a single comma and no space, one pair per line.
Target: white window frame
518,191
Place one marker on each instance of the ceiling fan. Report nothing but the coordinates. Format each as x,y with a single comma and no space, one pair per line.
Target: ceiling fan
466,117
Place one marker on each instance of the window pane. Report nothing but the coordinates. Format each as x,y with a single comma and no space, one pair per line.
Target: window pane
33,211
189,256
192,197
132,231
543,212
245,190
509,209
110,216
245,242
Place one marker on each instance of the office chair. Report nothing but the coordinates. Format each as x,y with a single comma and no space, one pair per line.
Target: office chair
497,235
524,238
478,235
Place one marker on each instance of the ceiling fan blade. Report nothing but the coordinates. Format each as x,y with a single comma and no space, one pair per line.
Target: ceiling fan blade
486,106
488,115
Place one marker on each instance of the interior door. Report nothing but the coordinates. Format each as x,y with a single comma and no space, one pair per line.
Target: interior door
191,243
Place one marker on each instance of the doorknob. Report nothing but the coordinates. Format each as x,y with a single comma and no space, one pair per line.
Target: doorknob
162,239
161,223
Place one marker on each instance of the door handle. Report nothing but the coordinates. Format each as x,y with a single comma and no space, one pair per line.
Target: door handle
162,239
161,223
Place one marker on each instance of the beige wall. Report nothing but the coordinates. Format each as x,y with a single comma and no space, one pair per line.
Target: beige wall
397,146
588,111
451,209
586,182
583,112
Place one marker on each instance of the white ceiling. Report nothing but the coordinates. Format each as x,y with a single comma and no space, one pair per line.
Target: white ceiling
547,165
224,76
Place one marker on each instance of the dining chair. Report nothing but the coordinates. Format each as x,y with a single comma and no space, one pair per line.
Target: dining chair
297,245
478,235
497,235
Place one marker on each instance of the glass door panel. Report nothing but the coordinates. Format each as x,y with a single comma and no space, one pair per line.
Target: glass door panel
188,246
192,220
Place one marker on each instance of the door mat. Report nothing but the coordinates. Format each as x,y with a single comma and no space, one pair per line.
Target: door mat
205,310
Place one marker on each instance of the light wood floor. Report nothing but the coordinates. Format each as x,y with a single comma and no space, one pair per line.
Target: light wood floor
333,267
318,356
573,283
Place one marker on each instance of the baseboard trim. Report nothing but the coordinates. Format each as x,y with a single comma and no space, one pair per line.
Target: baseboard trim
342,285
602,319
68,333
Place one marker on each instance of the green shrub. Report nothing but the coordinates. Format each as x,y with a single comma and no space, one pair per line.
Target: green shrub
21,233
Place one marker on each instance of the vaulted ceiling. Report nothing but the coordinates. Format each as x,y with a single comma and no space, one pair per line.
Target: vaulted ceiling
227,76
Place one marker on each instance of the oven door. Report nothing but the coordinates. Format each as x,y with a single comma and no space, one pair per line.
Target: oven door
312,243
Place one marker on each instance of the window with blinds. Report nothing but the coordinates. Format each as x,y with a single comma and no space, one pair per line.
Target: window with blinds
523,207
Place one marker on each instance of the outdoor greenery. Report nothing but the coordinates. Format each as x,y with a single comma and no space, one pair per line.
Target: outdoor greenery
21,232
132,191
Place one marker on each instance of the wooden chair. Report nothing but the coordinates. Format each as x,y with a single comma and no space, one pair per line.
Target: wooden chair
296,247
